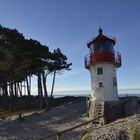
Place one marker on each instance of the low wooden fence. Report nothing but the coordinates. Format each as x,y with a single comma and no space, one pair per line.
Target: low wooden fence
59,134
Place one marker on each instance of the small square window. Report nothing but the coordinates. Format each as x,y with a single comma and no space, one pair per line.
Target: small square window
99,71
114,81
100,84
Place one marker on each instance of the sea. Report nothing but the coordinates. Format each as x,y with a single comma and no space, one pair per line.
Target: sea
125,93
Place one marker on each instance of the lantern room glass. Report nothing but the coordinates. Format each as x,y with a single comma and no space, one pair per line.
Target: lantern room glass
105,46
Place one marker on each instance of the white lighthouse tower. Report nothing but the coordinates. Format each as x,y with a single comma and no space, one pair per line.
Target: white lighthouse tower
102,63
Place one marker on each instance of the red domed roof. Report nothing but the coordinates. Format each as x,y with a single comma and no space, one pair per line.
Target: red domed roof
101,38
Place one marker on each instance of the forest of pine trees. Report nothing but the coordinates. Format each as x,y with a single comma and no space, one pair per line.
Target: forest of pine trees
20,60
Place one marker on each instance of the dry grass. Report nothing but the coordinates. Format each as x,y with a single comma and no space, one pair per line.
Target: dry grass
136,135
6,114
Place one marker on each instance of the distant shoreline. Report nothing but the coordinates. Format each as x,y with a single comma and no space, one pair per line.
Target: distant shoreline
86,95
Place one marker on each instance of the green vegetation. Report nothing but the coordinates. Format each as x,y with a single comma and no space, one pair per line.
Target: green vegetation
135,135
20,59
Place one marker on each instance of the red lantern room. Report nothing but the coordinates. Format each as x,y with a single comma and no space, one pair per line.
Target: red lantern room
102,50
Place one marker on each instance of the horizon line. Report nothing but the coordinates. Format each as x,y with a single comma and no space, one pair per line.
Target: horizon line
85,90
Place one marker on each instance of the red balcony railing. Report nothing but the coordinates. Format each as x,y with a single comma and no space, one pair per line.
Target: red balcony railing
94,58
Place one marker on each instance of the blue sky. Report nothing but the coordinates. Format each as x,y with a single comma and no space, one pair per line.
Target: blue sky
69,24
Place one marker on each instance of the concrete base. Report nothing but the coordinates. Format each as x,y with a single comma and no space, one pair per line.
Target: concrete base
112,110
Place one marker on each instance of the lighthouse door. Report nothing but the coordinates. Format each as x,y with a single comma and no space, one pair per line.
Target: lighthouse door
100,93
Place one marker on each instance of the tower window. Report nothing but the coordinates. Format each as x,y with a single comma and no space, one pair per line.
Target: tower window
114,81
100,84
99,71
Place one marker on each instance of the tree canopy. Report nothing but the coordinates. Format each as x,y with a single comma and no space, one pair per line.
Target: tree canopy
21,58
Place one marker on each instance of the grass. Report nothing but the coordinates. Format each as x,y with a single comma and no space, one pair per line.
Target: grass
135,135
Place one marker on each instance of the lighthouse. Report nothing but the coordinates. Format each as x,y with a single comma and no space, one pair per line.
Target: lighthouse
102,63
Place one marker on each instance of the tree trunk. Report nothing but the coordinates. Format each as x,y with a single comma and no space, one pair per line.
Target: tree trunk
45,91
28,86
19,85
28,82
5,89
24,87
54,75
15,89
5,95
11,89
11,95
40,91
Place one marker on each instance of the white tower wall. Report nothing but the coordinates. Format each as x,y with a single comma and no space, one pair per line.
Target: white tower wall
104,86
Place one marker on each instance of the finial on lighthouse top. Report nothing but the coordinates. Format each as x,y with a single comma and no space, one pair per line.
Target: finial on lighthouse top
101,38
100,30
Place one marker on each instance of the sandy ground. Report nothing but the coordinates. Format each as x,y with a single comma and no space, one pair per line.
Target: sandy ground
40,125
121,129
